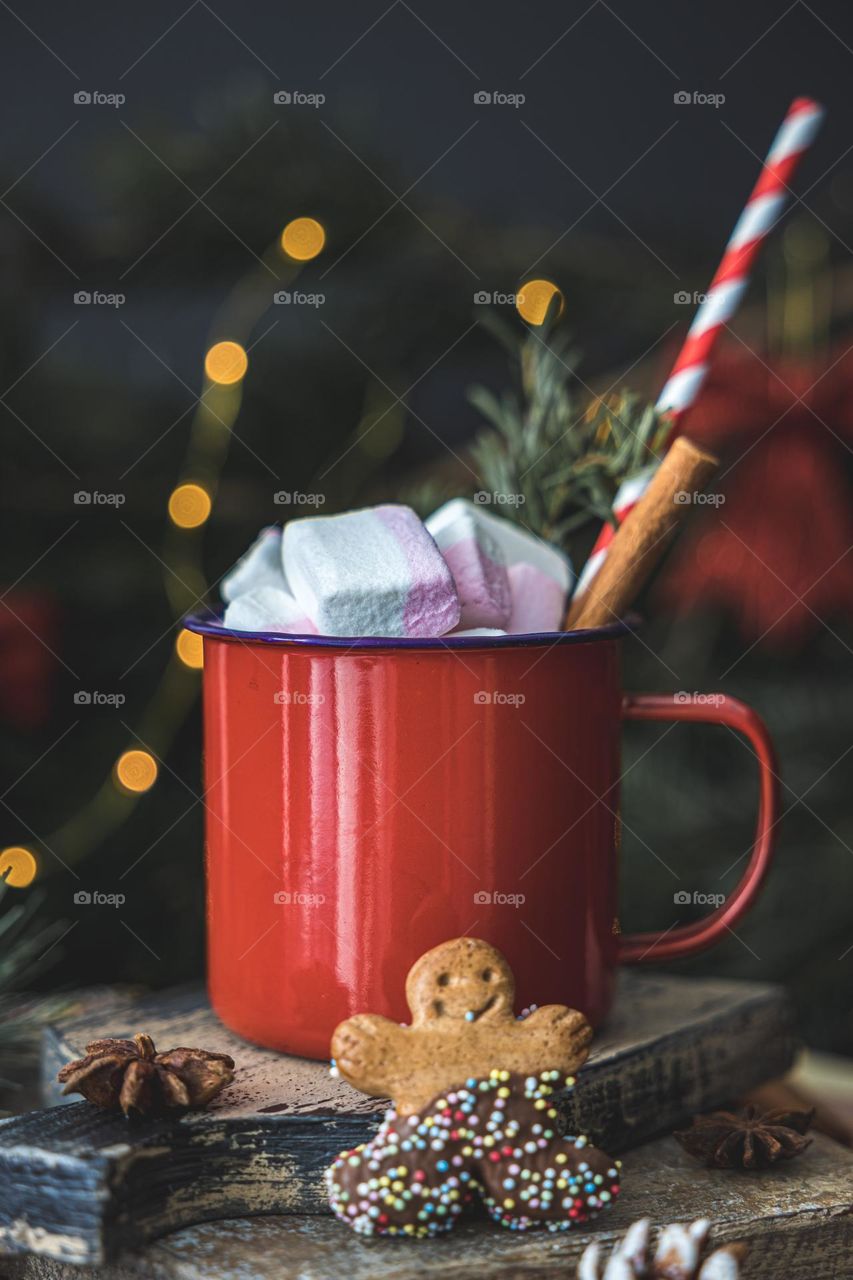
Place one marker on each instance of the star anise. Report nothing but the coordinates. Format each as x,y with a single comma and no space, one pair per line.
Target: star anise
131,1074
748,1139
678,1255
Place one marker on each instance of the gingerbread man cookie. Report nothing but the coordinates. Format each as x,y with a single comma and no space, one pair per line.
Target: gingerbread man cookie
461,997
497,1140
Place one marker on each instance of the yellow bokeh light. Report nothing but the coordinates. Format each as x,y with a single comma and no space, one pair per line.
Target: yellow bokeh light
136,770
190,649
189,506
534,298
226,362
303,238
18,867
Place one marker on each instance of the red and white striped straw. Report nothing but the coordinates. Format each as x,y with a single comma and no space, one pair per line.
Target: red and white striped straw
761,213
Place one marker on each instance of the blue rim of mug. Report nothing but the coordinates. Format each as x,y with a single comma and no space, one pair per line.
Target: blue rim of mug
208,622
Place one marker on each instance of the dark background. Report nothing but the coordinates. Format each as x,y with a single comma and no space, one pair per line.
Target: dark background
601,182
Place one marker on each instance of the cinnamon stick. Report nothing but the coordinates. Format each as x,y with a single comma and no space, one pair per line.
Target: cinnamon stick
643,536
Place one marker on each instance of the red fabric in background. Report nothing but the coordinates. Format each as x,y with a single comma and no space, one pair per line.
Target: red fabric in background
777,554
28,633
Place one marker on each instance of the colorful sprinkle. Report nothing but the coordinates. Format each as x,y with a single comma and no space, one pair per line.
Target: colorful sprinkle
486,1139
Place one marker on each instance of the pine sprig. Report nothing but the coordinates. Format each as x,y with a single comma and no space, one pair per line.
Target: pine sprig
561,459
23,950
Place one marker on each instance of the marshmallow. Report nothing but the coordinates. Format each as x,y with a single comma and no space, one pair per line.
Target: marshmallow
260,566
539,574
375,572
268,609
538,601
476,561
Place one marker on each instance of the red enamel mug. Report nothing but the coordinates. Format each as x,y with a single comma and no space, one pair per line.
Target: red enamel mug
369,799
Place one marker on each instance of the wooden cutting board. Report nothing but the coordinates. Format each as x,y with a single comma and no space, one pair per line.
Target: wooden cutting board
79,1184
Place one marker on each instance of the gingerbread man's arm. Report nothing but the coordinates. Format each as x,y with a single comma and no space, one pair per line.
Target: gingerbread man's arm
563,1034
366,1049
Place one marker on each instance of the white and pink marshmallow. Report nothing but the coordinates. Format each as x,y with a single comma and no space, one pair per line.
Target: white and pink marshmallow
477,563
256,592
375,572
268,609
383,572
260,566
539,576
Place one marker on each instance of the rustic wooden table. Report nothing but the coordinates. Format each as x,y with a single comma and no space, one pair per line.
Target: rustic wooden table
796,1217
86,1195
83,1184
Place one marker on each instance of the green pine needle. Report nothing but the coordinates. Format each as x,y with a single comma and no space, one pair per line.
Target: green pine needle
24,946
560,459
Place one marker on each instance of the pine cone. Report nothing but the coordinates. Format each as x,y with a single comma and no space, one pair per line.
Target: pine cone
748,1139
678,1256
130,1074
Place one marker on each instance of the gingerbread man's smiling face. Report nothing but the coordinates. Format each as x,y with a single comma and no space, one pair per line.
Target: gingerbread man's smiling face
463,1025
464,981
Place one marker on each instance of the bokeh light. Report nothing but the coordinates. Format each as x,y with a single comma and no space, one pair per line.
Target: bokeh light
190,649
136,771
534,298
189,506
225,363
18,866
303,238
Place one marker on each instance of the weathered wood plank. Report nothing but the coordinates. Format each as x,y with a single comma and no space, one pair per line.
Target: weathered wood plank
796,1217
85,1184
672,1046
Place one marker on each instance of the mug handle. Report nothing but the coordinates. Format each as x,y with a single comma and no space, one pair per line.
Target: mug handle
718,708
